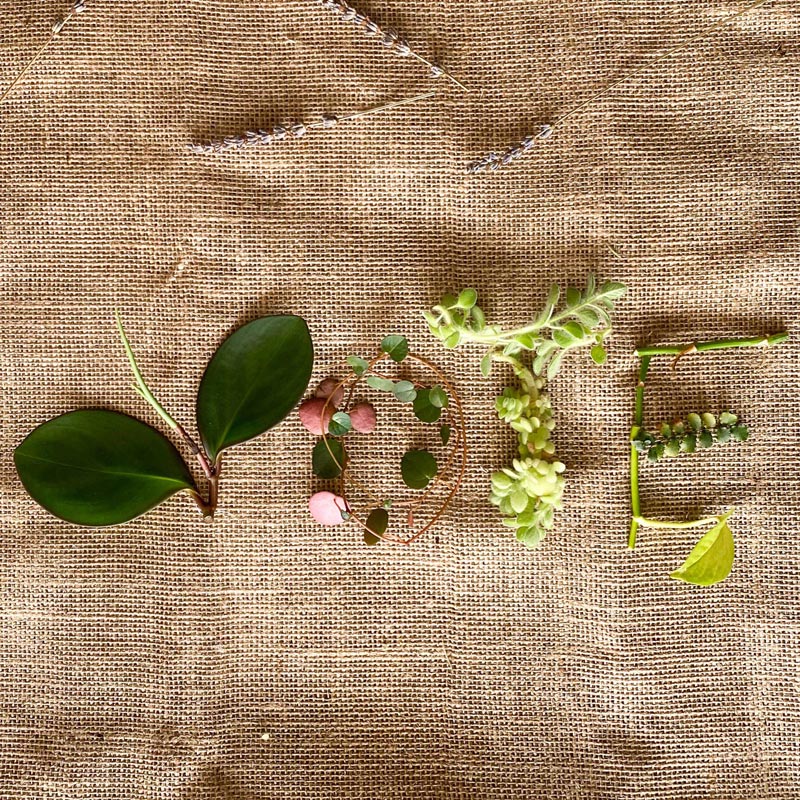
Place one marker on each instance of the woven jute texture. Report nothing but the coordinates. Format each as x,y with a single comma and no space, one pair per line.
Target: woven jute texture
262,657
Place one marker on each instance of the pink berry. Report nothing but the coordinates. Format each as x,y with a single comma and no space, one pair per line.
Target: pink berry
363,417
330,388
327,508
315,416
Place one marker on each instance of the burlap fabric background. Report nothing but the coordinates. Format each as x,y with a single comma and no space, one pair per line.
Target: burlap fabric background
263,658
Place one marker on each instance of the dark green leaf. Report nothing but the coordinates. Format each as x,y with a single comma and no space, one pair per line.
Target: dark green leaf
377,523
99,468
444,432
328,459
418,468
253,381
340,424
357,364
424,409
396,347
711,560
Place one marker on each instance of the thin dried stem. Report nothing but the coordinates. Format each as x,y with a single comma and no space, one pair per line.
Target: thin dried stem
494,161
388,38
58,27
458,446
298,129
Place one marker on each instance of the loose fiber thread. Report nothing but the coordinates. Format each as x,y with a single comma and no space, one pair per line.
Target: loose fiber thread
388,38
78,8
494,161
296,130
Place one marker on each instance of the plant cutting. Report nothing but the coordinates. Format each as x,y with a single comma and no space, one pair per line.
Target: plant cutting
529,491
711,559
430,475
95,467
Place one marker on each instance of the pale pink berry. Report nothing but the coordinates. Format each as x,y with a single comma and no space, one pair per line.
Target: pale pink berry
315,416
327,508
330,388
363,418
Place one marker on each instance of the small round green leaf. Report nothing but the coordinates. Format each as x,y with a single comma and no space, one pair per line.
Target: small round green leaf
424,409
381,384
396,347
404,391
98,468
253,381
340,424
418,468
328,460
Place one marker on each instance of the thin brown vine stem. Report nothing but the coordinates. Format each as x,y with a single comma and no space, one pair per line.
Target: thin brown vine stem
710,29
21,75
463,469
459,444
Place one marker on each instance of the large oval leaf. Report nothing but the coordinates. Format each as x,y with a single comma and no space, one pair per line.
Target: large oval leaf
253,381
99,467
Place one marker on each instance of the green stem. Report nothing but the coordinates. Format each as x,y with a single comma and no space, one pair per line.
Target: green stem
141,387
719,344
144,391
660,523
644,366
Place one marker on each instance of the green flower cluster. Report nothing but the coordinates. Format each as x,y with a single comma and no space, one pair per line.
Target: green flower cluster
686,436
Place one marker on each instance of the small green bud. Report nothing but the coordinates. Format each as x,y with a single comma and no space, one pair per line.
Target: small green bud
598,354
709,421
705,439
478,319
740,433
467,298
695,423
678,428
449,301
689,443
666,430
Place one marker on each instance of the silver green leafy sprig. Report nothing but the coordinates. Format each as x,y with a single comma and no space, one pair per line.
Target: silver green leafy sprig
685,436
529,492
583,321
